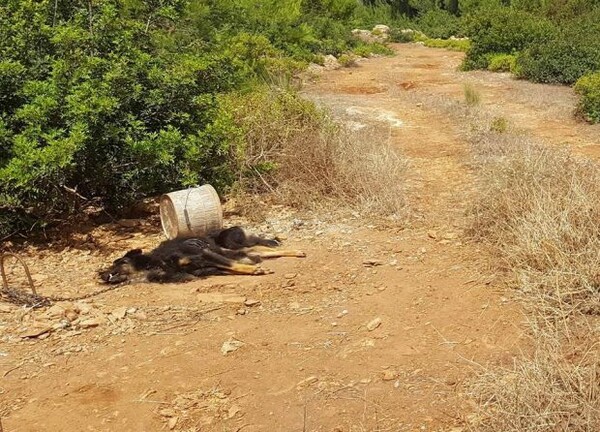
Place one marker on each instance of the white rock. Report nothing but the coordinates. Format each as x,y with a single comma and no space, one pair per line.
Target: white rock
381,29
119,313
221,298
331,63
231,346
91,322
373,324
306,382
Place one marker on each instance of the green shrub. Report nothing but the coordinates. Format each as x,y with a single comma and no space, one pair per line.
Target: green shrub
366,50
347,60
366,16
503,30
450,44
499,125
502,63
104,114
402,35
566,57
588,88
439,24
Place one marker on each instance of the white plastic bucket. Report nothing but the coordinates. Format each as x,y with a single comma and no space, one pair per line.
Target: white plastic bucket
191,212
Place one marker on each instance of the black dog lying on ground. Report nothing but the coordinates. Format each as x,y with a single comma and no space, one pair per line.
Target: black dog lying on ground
228,251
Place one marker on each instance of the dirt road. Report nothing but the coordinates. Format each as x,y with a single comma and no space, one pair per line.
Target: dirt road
376,330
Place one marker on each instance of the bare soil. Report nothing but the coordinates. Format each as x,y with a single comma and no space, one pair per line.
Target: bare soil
309,352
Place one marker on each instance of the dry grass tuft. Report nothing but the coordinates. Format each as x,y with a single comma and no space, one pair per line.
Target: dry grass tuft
472,96
297,154
556,389
540,206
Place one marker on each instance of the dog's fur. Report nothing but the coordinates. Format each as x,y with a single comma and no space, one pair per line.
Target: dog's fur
228,251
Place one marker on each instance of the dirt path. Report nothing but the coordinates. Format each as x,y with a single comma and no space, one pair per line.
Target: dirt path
152,360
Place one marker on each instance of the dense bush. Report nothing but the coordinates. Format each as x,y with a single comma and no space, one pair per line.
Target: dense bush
588,87
106,102
450,44
439,24
571,53
504,31
93,107
292,148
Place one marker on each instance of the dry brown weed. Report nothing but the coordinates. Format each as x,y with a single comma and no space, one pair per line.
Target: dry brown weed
540,206
296,154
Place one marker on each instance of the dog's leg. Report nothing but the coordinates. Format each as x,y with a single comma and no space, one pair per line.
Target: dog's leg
222,262
237,255
269,252
207,271
259,241
161,276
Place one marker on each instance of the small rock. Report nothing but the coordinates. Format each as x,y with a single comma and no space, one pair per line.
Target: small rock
290,275
372,263
5,309
306,382
167,412
91,322
252,302
373,324
381,29
342,313
368,343
63,324
119,313
330,63
231,346
172,422
389,375
83,308
36,331
71,315
450,236
364,35
140,315
233,410
221,298
288,284
55,311
432,234
241,312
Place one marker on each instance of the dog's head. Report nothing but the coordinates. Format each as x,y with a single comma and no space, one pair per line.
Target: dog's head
125,268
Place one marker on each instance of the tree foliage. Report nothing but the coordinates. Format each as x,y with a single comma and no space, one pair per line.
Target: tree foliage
93,104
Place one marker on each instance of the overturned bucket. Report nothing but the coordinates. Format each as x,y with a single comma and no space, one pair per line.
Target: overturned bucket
191,212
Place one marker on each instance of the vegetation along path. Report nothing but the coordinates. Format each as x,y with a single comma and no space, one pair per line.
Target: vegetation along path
376,330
